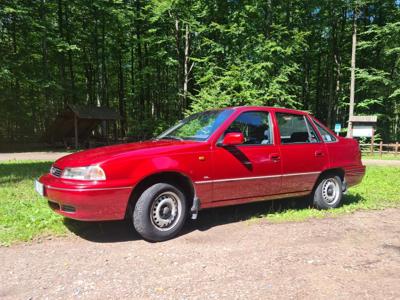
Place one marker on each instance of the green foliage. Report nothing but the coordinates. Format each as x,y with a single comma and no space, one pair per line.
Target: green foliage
136,57
379,84
262,72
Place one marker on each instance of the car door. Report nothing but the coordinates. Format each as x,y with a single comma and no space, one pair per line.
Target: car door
251,169
303,155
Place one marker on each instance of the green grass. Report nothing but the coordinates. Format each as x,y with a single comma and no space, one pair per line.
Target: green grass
25,215
385,156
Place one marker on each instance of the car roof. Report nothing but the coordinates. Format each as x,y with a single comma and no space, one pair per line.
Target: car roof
270,108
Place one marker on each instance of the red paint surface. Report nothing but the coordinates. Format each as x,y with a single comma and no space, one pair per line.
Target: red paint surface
220,175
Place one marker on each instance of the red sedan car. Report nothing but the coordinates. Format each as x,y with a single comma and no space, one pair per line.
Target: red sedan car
214,158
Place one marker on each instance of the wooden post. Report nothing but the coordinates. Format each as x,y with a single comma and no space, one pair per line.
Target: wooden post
115,132
76,131
380,149
396,148
372,141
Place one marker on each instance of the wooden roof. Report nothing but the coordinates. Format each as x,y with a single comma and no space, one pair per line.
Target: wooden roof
93,112
88,118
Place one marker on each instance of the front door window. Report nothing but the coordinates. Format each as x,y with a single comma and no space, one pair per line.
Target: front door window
255,127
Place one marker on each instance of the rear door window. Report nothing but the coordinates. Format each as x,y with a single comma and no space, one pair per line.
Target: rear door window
295,129
326,135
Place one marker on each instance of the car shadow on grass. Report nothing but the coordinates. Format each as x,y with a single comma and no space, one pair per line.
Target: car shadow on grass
123,231
351,199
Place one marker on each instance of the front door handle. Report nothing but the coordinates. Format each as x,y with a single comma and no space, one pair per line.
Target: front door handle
319,153
275,157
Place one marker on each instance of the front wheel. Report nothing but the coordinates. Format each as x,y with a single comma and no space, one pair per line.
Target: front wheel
328,193
160,212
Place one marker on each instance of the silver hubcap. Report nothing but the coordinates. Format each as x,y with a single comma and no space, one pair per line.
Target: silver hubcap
330,191
165,211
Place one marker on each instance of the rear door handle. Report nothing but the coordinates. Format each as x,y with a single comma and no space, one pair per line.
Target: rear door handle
319,153
275,157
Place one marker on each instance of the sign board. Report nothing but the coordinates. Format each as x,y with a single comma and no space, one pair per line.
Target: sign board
364,119
338,127
363,130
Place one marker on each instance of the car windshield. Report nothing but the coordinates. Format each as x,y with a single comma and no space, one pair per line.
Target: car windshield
197,127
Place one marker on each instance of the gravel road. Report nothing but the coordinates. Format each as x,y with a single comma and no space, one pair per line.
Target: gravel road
350,257
51,156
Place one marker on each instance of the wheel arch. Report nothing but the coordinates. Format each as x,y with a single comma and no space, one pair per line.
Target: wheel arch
337,171
172,177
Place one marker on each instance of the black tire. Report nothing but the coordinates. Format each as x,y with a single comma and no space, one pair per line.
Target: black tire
328,193
160,212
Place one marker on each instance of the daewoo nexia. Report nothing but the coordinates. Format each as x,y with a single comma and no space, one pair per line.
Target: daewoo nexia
215,158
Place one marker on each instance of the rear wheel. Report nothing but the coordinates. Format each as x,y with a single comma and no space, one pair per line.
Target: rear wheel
328,193
160,212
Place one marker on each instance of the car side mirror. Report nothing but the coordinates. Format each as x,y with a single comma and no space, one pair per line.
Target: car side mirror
233,138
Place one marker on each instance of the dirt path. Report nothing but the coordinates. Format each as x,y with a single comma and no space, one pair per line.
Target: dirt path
381,162
50,156
354,256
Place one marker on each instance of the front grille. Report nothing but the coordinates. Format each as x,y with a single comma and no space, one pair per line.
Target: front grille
55,171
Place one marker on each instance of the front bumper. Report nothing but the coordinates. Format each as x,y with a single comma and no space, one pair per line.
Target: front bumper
86,202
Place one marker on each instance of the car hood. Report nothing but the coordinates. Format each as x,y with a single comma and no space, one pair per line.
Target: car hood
104,154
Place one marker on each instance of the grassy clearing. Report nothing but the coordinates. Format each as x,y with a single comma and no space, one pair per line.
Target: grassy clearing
385,156
25,215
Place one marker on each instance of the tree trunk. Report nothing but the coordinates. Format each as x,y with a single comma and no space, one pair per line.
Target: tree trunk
318,88
71,92
142,108
104,79
268,17
61,54
121,95
45,59
178,58
89,79
186,68
16,87
352,79
96,71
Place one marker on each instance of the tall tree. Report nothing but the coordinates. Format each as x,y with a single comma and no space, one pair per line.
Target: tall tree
157,60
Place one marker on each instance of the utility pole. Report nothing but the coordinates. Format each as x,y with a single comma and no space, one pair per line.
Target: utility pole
353,69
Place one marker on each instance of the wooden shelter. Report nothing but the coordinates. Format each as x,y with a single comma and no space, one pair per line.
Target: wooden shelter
79,122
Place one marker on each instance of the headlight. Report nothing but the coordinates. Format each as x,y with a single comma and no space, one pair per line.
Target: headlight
84,173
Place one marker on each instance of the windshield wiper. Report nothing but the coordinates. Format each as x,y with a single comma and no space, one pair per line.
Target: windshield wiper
171,137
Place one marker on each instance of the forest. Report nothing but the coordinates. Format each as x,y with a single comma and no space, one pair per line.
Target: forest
156,61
